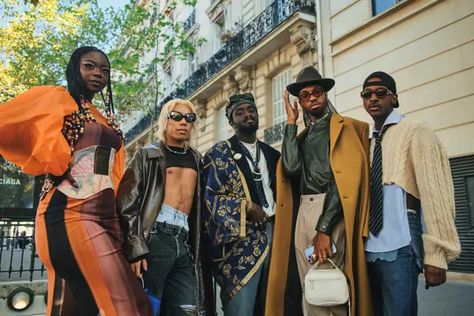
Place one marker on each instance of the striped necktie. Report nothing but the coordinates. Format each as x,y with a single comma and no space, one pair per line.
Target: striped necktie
376,186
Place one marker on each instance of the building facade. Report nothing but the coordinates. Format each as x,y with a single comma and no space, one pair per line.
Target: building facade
427,46
259,47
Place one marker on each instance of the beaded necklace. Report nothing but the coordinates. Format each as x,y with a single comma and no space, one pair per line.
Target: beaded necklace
74,124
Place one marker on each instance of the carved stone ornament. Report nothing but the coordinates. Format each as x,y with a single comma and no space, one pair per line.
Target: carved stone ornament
302,36
201,111
230,86
243,78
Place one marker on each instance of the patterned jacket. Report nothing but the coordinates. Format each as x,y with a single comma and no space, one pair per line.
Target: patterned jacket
237,247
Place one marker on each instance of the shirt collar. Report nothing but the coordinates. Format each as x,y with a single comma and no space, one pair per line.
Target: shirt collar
322,119
249,144
392,118
320,124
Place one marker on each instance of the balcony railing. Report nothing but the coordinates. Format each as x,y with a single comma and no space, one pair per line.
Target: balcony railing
274,134
190,21
18,258
249,36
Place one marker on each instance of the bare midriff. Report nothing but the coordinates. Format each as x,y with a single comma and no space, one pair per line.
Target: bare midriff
180,187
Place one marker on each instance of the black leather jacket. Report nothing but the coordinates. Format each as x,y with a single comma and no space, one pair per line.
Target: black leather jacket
139,200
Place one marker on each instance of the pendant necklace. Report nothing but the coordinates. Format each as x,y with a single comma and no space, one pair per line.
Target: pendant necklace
185,150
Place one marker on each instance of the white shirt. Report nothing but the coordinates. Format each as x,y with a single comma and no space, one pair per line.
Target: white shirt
262,164
395,232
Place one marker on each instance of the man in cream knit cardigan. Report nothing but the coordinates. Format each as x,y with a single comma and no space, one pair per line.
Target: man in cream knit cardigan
412,211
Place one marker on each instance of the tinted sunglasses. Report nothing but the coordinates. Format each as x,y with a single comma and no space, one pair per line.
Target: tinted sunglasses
178,116
305,95
379,93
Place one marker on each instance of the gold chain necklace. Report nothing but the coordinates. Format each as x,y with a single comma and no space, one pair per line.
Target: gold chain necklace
185,150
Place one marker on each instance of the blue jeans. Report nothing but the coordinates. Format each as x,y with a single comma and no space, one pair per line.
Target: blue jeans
243,303
171,272
393,284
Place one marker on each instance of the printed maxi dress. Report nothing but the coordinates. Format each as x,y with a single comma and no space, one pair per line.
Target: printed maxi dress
77,234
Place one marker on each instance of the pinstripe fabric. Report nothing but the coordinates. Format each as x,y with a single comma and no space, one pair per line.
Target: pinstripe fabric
376,186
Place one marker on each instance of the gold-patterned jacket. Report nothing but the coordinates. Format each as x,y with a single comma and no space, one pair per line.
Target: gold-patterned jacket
237,247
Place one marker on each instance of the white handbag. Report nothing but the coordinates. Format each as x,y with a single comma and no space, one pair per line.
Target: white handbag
326,287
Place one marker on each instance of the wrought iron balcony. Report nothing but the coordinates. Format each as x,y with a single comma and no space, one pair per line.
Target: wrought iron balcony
249,36
190,21
274,134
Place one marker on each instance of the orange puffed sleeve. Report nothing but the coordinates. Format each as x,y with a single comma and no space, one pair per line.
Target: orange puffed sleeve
30,130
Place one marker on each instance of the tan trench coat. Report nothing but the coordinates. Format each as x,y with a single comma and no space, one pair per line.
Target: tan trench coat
349,150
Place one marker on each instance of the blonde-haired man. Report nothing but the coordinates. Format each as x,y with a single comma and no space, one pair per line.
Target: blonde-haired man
159,203
165,113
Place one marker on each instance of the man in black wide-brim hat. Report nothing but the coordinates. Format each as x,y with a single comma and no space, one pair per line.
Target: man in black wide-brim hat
328,164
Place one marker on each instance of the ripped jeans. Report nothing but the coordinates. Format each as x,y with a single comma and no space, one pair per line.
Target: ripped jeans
171,272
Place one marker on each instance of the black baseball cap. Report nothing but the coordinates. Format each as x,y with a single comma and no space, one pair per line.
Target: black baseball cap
385,80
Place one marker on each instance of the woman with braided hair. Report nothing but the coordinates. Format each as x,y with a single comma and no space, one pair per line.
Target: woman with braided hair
58,132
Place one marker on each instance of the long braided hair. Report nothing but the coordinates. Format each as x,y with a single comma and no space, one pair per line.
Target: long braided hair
74,123
75,83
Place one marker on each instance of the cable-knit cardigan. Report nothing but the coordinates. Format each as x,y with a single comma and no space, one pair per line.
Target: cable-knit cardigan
415,160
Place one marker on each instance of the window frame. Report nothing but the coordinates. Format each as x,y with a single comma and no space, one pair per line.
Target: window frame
278,85
388,7
223,125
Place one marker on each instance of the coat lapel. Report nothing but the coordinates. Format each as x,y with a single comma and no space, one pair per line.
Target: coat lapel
156,151
271,158
244,167
335,128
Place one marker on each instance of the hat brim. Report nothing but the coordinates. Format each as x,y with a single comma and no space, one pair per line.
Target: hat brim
295,88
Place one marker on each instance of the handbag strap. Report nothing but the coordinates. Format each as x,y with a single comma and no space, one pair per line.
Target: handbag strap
316,265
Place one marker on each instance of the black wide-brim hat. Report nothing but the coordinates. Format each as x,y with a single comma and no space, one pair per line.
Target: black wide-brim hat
309,76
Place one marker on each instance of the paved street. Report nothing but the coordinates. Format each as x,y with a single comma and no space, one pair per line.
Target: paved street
455,298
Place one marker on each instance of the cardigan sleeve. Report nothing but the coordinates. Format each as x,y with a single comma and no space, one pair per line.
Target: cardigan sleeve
435,186
30,129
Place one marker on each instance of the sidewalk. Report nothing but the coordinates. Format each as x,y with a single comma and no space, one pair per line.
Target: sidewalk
454,298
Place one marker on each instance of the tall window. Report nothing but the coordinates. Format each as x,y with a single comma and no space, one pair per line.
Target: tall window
262,5
217,41
279,83
379,6
224,127
192,63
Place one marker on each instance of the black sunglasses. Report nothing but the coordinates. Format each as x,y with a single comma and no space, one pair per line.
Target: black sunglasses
178,116
379,93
